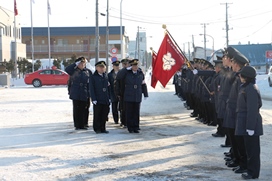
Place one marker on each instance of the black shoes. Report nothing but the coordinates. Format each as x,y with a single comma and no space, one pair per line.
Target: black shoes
193,115
98,132
224,145
217,135
240,170
232,164
135,131
246,176
228,154
212,124
84,128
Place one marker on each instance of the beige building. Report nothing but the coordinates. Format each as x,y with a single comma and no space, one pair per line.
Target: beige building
7,36
66,41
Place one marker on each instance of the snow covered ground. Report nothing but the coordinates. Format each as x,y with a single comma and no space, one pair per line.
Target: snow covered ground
38,142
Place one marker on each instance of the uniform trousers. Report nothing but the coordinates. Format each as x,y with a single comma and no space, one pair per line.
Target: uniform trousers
252,145
86,122
123,112
100,115
114,110
80,112
133,115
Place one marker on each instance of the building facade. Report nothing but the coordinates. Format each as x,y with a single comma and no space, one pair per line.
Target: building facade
8,43
66,41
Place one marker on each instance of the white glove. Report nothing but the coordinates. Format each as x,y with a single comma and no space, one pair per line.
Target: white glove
250,132
129,68
78,62
94,102
195,71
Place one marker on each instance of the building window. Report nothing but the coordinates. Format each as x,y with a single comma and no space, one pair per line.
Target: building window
60,42
65,42
92,41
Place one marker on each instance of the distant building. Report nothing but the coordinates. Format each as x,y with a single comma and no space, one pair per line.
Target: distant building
7,36
66,41
256,53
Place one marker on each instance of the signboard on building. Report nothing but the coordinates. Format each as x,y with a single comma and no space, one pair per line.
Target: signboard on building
268,54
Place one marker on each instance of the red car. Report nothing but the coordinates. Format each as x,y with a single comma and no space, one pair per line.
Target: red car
47,77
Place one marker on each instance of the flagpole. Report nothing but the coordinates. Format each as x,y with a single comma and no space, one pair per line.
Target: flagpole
48,28
15,47
32,40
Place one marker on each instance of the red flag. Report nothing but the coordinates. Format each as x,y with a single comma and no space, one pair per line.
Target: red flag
153,78
15,8
169,60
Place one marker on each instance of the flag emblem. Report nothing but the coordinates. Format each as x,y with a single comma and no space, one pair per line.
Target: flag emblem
168,61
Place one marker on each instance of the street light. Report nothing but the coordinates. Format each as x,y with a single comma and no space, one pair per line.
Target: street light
121,30
205,41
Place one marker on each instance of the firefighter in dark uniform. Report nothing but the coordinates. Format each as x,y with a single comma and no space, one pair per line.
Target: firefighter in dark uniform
79,91
214,89
100,95
114,99
188,87
237,144
175,82
135,86
249,121
193,90
226,82
119,90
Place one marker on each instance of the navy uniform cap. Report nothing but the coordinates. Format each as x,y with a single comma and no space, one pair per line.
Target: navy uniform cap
218,61
239,57
230,52
82,59
116,63
101,63
124,60
134,62
248,71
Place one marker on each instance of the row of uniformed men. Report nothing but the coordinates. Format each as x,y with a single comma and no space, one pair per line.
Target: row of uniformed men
122,89
226,95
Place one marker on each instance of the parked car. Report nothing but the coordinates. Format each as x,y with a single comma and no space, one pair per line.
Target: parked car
270,76
47,77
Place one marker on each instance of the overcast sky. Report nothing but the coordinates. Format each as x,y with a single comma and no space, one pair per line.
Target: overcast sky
249,21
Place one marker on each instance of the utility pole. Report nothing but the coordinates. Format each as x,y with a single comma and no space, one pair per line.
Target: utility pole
107,37
193,44
227,24
138,43
96,34
204,25
189,53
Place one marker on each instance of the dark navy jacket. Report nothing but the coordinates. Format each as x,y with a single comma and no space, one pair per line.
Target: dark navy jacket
100,88
112,77
119,86
248,114
230,116
226,81
134,86
80,87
